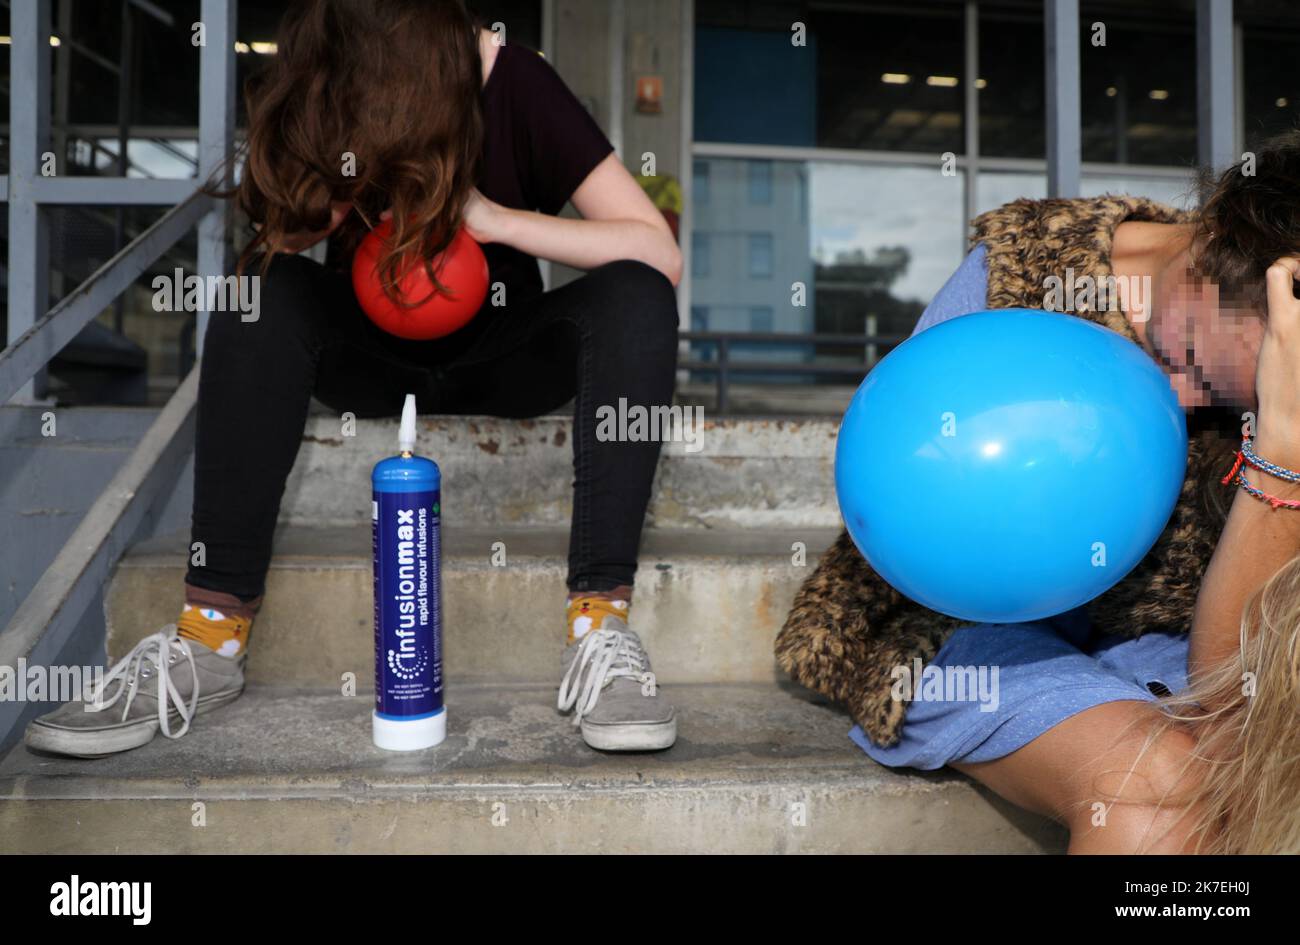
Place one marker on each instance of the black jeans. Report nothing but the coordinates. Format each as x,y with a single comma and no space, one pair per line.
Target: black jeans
608,335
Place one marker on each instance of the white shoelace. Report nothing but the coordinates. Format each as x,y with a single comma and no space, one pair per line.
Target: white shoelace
606,655
156,652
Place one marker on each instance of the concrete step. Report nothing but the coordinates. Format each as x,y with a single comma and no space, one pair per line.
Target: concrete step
755,770
708,603
746,473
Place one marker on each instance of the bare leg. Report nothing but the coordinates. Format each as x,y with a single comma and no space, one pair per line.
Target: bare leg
1096,774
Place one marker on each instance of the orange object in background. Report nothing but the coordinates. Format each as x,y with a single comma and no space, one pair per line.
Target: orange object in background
461,268
650,94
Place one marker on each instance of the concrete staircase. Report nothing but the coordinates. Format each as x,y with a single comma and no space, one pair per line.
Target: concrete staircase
760,765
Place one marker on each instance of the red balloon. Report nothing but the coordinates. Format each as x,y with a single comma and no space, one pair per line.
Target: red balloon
461,268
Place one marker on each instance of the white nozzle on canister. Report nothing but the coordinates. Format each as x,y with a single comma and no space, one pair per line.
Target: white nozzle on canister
406,430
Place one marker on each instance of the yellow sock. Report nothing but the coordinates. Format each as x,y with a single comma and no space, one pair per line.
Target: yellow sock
227,634
585,614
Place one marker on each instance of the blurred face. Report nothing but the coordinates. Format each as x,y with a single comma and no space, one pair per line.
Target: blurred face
1207,344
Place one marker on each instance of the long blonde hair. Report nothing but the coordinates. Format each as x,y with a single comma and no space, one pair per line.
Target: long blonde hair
1244,719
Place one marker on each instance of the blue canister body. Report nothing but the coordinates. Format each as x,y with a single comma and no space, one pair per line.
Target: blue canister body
405,515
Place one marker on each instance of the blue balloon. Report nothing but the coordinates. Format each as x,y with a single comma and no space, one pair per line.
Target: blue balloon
1010,465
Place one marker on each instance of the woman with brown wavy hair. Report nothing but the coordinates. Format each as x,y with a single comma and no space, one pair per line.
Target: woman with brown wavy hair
407,109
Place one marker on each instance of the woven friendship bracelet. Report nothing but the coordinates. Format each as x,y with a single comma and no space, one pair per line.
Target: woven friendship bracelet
1246,456
1274,501
1253,459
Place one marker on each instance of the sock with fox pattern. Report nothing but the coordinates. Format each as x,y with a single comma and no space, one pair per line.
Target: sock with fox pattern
587,610
219,621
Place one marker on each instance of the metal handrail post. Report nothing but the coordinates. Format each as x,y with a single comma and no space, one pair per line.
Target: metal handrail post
724,357
29,138
216,141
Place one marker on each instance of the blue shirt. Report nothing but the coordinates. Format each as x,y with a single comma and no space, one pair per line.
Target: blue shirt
965,291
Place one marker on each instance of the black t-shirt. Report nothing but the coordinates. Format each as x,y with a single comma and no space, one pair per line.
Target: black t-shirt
539,145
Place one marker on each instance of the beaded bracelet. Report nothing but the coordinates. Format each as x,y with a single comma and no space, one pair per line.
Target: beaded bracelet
1247,456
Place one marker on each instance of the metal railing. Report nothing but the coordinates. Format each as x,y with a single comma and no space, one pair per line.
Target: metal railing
34,349
35,336
51,612
724,367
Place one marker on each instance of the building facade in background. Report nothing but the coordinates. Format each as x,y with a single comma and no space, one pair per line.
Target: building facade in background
830,153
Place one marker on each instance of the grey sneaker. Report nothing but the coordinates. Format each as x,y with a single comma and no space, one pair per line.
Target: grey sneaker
124,711
612,691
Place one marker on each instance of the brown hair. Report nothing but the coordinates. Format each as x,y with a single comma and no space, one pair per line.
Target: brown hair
1250,216
368,102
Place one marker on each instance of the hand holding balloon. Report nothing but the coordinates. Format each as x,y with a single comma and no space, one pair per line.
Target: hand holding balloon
483,218
426,313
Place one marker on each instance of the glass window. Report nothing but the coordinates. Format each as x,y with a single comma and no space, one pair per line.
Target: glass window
752,84
760,182
885,239
994,188
761,318
801,194
891,78
700,183
729,292
1139,88
1271,83
998,187
1011,83
1177,192
700,254
760,255
884,78
1138,83
875,241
